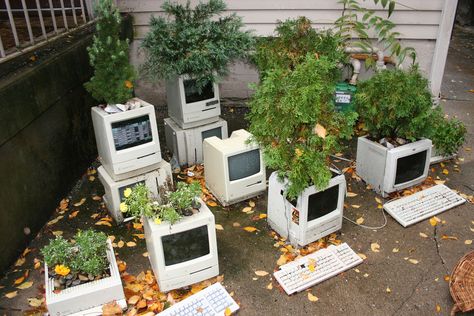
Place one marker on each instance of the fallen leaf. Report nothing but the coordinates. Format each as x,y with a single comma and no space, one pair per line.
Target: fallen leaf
388,290
446,237
414,261
362,256
445,171
282,260
472,229
247,209
63,205
423,235
355,206
378,200
351,194
375,247
211,203
35,302
37,264
111,309
73,214
235,224
95,215
137,225
57,233
468,242
139,236
145,254
228,311
320,131
433,221
91,178
447,278
25,285
120,244
261,273
133,299
96,198
80,202
102,222
439,181
395,250
312,298
262,216
438,308
270,286
219,227
252,204
20,261
54,221
360,220
131,244
250,229
366,275
11,294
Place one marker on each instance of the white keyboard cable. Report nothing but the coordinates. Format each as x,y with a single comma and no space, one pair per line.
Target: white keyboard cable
371,227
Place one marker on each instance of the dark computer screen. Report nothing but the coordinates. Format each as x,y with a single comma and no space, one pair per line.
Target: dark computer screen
212,132
133,132
131,186
244,165
185,246
192,95
322,203
410,167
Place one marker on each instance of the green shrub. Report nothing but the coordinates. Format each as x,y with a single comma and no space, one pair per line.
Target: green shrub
194,41
295,39
138,202
108,55
448,135
185,195
57,252
284,113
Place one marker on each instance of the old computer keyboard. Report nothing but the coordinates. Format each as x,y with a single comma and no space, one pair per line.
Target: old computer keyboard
212,301
315,268
422,205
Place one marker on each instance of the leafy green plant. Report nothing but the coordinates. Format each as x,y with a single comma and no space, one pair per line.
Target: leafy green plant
113,77
397,103
293,119
58,252
184,196
194,41
137,202
295,39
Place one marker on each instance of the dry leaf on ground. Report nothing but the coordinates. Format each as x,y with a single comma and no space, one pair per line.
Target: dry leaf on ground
423,235
261,273
250,229
131,244
25,285
312,298
351,194
11,294
80,202
219,227
360,220
375,247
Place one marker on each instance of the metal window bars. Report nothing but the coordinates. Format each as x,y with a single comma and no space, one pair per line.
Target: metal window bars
27,23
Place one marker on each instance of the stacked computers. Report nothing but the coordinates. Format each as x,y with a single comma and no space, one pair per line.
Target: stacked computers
129,151
193,117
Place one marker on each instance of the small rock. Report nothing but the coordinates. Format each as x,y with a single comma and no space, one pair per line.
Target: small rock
62,280
57,285
76,282
91,277
68,283
83,277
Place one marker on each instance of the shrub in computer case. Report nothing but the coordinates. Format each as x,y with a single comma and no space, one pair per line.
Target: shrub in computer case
186,144
396,108
90,269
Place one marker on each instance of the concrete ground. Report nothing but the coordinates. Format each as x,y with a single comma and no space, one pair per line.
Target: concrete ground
386,283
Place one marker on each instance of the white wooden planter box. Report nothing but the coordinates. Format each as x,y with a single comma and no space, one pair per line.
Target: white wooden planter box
193,270
88,297
377,165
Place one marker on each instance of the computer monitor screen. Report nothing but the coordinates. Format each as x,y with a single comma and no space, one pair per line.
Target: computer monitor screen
122,189
186,245
323,202
244,165
192,95
133,132
410,167
212,132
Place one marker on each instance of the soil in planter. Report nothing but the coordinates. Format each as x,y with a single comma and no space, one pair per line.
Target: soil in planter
74,279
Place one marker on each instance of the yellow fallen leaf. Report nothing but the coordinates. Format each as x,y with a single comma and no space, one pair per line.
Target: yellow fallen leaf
228,312
395,250
235,224
145,254
139,236
250,229
375,247
261,273
446,237
447,278
468,242
54,221
57,233
378,200
423,235
312,298
25,285
439,181
355,206
351,194
137,225
438,308
131,244
133,299
366,275
120,244
298,152
320,131
106,223
379,206
433,221
445,171
219,227
246,209
360,220
11,294
91,178
388,290
311,267
414,261
251,203
282,260
262,216
35,302
37,263
211,203
96,198
472,229
80,202
20,261
362,256
73,214
270,286
95,215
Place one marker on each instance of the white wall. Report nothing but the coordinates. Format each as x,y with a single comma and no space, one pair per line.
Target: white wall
418,21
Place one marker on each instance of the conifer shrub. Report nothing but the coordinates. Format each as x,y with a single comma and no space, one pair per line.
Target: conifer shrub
292,118
195,41
397,103
113,77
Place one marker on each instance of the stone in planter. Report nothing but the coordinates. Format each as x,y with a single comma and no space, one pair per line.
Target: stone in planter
183,253
127,141
389,170
188,108
313,215
88,297
161,177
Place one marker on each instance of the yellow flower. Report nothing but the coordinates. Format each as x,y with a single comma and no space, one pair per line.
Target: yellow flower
298,152
61,270
127,192
128,84
157,221
123,207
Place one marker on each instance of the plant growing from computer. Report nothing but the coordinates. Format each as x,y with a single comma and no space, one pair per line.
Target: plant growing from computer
172,206
113,77
81,260
292,113
397,104
194,41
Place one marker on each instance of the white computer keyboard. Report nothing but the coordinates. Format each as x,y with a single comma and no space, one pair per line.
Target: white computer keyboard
422,205
315,268
212,301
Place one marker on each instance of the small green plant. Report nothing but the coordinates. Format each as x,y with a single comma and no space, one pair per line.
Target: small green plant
171,208
398,104
293,119
295,39
86,255
113,77
194,41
